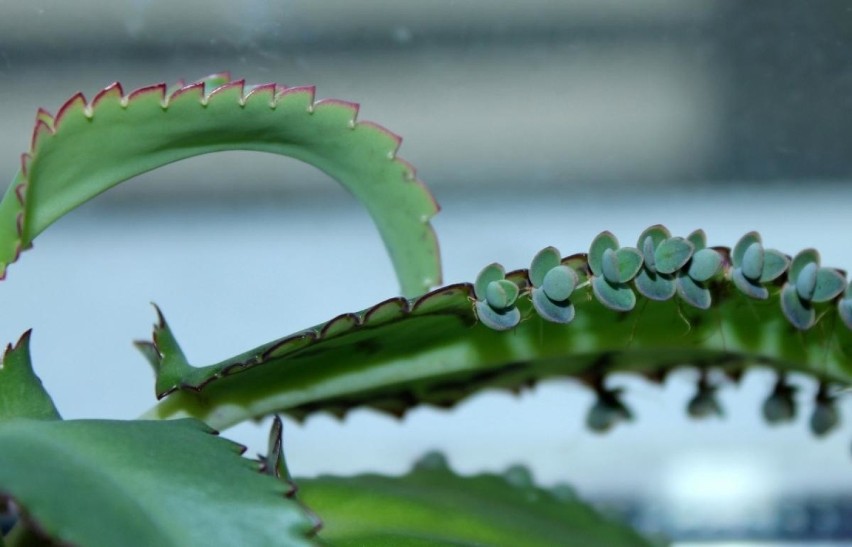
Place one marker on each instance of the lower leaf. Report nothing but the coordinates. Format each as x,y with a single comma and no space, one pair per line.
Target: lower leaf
140,483
431,505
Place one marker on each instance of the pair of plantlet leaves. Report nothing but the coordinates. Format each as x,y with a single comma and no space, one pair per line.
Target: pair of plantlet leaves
496,297
754,266
808,284
661,267
552,286
676,265
553,283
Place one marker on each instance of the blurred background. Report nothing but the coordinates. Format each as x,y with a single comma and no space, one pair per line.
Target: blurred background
536,123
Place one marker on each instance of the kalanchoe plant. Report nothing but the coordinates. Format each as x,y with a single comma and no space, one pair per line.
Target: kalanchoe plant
613,267
553,283
584,316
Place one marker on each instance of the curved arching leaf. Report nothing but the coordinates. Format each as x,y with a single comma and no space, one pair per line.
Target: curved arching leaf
91,146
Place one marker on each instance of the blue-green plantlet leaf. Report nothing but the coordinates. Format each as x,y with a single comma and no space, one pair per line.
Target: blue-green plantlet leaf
752,264
90,147
658,233
655,286
629,263
693,293
704,265
780,406
738,253
501,294
490,273
647,248
555,312
825,417
610,266
432,506
546,259
21,392
649,240
495,319
806,280
603,241
813,285
559,283
801,261
829,284
800,313
748,287
704,403
672,254
774,265
698,239
144,483
615,297
607,411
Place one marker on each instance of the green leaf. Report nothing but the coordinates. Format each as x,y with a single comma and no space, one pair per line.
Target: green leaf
752,263
441,348
801,260
799,313
21,392
738,253
658,233
614,297
655,286
555,312
774,264
610,266
748,287
704,265
672,255
559,283
603,241
91,147
492,272
698,239
140,483
433,506
501,294
629,264
649,240
495,319
546,259
693,293
806,280
829,284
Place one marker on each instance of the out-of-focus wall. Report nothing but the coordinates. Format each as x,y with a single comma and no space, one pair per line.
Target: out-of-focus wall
544,94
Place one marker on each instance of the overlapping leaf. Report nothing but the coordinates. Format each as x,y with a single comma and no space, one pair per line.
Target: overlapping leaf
141,483
433,506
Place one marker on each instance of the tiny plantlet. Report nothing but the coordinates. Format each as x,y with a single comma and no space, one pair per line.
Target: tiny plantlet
168,479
